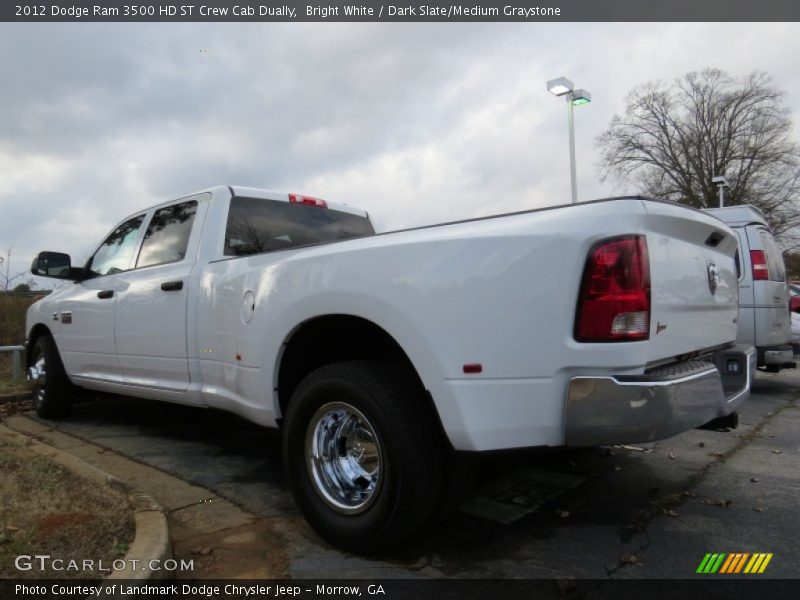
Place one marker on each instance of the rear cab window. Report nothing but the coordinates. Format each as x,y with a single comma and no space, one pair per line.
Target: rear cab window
257,225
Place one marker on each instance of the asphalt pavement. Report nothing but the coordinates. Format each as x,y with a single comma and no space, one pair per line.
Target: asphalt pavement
641,511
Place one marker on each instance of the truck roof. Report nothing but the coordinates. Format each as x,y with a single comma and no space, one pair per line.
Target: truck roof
238,190
738,215
249,192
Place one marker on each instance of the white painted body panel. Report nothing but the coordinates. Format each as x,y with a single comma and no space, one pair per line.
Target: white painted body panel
87,351
681,297
500,291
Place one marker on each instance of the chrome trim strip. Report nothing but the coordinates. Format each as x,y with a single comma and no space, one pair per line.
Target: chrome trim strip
653,383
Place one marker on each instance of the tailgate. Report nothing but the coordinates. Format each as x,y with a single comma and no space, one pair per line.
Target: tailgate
693,276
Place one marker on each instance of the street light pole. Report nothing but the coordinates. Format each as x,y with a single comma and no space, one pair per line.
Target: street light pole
721,183
564,87
572,169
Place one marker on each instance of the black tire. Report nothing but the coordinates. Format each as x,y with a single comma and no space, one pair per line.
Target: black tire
387,401
52,398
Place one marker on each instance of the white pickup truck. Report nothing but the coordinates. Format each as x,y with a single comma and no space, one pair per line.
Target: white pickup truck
381,355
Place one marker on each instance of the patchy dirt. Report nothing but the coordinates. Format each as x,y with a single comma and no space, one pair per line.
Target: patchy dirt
51,524
46,509
251,551
14,398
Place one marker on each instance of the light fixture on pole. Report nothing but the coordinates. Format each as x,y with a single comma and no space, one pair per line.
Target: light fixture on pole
564,87
721,183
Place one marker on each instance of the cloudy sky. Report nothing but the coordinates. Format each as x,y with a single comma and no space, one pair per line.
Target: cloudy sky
417,123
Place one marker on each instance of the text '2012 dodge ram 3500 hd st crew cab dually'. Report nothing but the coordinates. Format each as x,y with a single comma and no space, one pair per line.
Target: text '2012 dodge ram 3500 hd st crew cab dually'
379,355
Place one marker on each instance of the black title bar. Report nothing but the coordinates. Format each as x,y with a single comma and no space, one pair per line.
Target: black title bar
422,11
402,589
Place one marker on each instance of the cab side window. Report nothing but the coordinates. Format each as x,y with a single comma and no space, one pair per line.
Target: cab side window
115,253
167,236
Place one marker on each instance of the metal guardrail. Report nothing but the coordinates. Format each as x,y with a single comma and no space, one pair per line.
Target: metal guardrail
16,360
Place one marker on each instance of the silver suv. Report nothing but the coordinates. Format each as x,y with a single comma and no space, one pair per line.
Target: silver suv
764,317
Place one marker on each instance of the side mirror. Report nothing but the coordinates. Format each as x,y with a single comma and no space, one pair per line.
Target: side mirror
54,264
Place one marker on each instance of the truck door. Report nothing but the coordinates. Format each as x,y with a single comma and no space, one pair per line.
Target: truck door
84,321
151,316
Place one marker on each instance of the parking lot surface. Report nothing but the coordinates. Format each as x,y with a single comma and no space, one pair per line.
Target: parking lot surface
638,511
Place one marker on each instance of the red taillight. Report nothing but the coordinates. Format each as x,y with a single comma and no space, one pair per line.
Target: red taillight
307,200
759,261
614,302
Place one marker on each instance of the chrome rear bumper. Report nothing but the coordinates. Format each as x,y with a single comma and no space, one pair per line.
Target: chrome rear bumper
659,404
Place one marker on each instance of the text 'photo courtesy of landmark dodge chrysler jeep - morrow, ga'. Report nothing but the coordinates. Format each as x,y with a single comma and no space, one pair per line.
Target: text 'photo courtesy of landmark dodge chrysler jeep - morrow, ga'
383,356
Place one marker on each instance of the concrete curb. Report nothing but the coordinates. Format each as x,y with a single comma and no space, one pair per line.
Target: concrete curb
151,541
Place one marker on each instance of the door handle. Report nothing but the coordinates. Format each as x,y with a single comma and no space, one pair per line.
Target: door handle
172,286
105,294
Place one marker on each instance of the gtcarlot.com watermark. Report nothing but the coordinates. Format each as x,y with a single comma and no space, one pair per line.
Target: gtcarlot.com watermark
47,563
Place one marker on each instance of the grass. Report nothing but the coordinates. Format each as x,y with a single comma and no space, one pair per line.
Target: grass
8,387
47,509
14,398
12,318
44,508
12,333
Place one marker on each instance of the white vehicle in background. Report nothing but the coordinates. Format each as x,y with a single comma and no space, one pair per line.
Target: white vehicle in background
764,316
379,356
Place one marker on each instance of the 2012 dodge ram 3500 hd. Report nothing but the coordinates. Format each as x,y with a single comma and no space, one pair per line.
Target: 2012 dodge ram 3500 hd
380,354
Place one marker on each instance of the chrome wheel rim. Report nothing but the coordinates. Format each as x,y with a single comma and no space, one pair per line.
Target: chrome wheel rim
37,375
344,457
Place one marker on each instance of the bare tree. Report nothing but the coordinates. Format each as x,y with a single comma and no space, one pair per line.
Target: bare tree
792,260
5,271
673,139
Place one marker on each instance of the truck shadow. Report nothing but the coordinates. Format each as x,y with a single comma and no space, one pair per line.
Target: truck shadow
523,506
518,497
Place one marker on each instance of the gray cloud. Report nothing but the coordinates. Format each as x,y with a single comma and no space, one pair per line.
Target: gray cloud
416,123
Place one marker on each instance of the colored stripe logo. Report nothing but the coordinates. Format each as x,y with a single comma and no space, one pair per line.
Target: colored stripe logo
734,562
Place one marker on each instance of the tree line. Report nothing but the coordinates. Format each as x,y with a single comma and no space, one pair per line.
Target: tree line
673,138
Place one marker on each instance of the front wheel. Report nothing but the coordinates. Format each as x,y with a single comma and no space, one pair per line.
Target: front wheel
52,389
362,454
